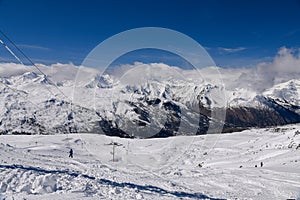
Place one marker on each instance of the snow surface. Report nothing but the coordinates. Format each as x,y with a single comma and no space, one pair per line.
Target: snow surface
38,167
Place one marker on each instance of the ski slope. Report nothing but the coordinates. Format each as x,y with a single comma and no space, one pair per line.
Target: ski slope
38,166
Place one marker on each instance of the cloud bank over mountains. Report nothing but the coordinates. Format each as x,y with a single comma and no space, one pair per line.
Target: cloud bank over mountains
127,96
285,66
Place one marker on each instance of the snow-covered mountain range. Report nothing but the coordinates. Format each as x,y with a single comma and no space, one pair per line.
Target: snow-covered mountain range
142,100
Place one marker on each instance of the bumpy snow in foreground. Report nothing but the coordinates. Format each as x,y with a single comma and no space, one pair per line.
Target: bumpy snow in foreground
38,167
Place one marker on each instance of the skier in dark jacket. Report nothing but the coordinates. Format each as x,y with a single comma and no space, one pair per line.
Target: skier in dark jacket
71,153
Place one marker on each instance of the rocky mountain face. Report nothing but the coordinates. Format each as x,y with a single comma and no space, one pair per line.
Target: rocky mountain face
31,104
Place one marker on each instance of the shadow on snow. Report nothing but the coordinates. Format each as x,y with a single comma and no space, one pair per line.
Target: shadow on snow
149,188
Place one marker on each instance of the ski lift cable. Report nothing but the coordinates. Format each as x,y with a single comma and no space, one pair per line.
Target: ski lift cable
50,81
16,90
23,64
11,52
71,103
30,61
21,93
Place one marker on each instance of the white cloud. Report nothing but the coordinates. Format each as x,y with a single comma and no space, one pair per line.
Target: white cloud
35,47
284,67
287,61
231,50
57,72
286,64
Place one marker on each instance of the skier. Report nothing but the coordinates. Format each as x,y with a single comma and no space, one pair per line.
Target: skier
71,153
261,164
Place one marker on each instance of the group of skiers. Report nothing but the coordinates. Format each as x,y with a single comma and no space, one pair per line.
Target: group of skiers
261,164
200,165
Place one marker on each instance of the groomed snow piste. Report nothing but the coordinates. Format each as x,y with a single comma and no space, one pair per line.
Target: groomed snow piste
38,167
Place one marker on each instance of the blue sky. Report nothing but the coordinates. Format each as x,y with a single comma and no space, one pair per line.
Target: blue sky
235,33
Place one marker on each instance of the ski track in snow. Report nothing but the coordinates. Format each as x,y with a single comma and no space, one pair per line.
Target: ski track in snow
38,167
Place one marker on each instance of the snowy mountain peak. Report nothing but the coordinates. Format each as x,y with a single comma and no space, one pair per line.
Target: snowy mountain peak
152,95
29,78
101,81
286,92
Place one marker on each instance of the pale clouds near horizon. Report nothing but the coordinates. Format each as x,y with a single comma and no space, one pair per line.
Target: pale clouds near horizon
284,67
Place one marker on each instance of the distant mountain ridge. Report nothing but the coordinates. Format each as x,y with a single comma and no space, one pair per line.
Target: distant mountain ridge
158,103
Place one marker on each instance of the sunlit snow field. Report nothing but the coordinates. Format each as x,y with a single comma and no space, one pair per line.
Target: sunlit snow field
38,167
